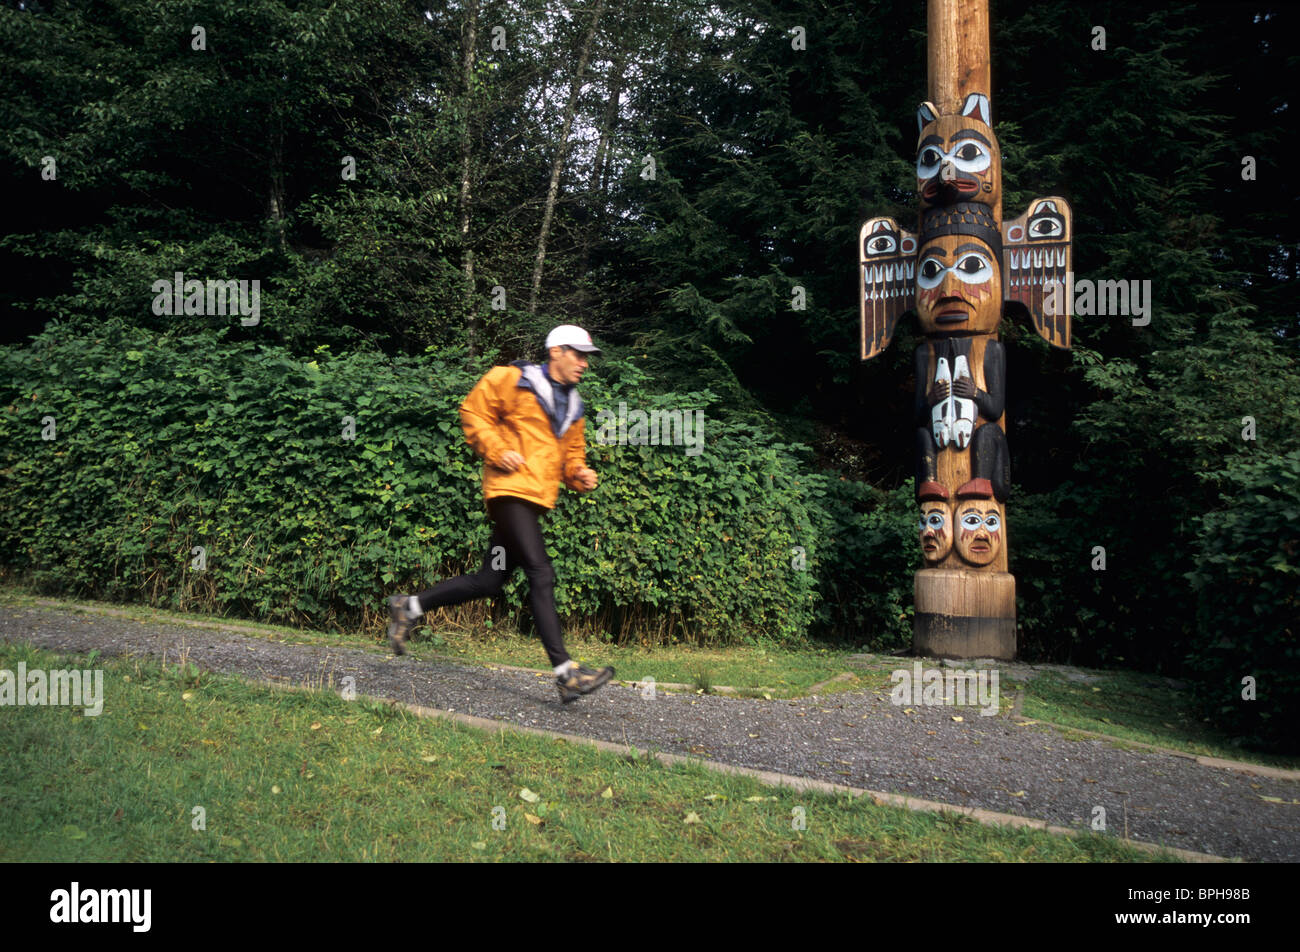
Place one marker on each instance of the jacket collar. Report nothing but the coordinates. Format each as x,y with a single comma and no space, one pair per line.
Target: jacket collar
533,378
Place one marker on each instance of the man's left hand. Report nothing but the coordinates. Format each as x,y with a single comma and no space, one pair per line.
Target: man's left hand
586,478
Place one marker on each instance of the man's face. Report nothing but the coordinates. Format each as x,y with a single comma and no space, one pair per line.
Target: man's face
567,364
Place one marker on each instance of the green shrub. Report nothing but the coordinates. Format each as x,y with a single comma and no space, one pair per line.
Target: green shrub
163,445
1247,581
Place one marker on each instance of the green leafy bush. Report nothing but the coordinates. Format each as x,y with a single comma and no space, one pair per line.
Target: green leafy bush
164,446
1247,582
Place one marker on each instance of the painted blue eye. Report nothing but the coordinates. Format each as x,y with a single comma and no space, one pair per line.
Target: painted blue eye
930,274
992,522
971,521
969,157
973,268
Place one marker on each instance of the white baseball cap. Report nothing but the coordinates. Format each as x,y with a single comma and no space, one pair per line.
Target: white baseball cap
570,335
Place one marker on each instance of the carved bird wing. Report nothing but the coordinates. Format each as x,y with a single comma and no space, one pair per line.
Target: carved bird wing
1036,267
887,281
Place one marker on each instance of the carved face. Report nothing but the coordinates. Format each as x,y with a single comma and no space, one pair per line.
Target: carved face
979,530
936,531
957,157
958,286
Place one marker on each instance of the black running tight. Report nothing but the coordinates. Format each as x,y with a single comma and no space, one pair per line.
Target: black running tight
516,542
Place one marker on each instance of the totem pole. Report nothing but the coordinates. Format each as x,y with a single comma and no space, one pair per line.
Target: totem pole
961,272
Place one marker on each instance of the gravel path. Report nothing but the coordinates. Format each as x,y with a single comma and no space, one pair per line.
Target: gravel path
860,739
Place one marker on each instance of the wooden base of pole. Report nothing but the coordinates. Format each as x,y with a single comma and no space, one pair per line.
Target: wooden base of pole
962,614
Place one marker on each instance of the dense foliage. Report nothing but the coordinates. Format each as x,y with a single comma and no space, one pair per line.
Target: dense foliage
313,487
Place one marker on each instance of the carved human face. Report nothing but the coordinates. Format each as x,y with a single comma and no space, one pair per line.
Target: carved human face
979,530
936,531
957,157
958,286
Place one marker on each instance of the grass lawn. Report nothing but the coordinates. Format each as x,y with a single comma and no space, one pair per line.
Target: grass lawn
289,776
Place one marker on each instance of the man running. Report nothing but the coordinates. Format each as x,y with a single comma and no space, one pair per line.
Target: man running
526,421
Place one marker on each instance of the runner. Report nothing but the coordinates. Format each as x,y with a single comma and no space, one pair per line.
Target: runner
526,421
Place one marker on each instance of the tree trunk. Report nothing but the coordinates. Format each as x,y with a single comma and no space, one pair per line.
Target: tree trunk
599,172
466,149
560,154
275,192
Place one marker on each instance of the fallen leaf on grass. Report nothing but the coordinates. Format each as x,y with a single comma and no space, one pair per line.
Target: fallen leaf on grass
692,818
715,796
276,788
534,820
757,799
607,793
429,758
957,719
187,696
315,725
479,845
528,795
378,730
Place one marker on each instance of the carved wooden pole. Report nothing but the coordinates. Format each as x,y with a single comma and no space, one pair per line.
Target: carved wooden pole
960,273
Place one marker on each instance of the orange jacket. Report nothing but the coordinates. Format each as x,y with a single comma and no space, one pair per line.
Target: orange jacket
500,415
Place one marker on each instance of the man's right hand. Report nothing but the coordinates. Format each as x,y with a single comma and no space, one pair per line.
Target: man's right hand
511,461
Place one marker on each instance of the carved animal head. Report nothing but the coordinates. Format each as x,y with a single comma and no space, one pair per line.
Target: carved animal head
957,156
